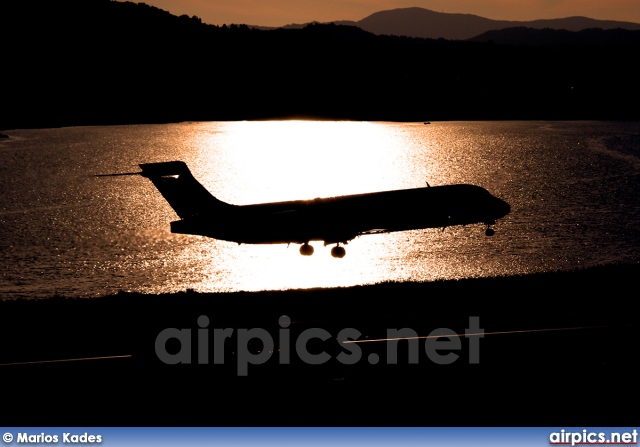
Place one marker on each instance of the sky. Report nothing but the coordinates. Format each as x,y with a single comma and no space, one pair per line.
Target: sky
283,12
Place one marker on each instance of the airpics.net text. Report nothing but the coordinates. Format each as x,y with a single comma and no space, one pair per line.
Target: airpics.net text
256,346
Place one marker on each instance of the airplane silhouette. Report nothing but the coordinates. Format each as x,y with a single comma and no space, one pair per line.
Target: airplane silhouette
333,220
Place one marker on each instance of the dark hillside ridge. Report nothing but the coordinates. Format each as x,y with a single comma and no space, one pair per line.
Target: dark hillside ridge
593,37
99,62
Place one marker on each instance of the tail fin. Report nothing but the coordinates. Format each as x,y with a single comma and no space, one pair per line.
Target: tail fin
184,193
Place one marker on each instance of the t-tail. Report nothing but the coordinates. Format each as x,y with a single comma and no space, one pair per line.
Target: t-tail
184,193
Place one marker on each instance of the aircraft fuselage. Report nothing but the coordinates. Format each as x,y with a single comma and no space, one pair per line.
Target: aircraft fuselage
339,219
333,220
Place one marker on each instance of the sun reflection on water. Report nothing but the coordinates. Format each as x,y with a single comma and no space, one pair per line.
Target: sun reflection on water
284,160
256,162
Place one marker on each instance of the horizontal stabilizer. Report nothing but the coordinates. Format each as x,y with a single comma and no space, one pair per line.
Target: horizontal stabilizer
164,169
115,175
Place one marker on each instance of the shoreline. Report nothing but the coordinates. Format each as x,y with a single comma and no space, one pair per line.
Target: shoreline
621,272
565,339
54,125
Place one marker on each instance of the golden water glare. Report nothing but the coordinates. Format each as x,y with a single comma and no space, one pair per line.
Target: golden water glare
256,162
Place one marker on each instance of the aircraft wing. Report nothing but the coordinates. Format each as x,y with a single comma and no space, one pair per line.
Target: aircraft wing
373,231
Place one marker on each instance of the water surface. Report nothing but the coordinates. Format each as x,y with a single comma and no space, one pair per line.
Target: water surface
572,186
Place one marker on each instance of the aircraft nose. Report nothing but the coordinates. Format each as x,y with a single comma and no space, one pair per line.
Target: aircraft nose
502,208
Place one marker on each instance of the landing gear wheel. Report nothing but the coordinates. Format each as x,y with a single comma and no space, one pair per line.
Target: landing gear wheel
306,250
338,252
489,232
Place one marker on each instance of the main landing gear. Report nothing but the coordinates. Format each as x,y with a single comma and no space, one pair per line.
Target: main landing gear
336,252
306,249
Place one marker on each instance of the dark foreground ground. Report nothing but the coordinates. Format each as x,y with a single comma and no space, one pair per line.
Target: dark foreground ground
577,368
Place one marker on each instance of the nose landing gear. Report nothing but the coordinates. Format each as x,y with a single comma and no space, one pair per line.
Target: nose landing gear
489,231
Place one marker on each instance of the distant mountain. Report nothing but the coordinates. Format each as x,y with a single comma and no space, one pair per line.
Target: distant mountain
420,22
